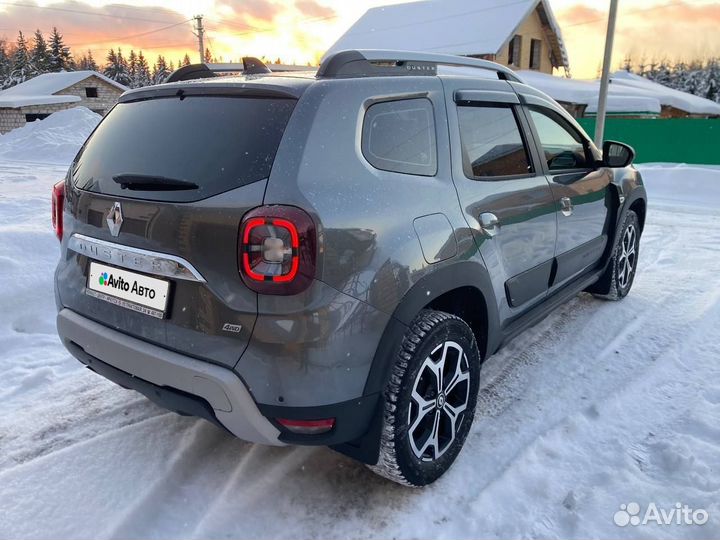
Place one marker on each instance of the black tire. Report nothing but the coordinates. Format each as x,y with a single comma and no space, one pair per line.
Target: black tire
622,267
434,338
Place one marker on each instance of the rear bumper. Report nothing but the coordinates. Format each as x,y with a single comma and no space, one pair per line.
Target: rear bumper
205,389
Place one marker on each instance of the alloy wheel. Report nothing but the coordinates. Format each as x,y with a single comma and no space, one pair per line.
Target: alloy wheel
628,256
438,402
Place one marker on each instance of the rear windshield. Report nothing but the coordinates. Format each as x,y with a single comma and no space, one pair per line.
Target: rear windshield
173,149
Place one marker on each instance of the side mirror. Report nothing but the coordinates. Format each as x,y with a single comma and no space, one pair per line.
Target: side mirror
617,154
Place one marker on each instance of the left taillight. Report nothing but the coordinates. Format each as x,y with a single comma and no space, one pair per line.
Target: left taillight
277,250
58,202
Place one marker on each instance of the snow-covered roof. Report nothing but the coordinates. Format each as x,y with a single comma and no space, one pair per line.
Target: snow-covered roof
667,96
462,27
40,90
620,100
627,93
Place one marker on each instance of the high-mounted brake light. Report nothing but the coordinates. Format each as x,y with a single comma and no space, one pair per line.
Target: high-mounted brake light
277,250
307,427
58,202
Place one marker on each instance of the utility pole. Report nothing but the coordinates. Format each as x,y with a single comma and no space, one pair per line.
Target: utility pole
201,36
605,80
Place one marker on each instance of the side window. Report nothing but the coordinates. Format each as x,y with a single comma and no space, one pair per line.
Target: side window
515,51
492,144
564,148
535,53
399,136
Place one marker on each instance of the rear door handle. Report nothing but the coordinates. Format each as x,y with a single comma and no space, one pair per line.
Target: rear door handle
566,206
489,224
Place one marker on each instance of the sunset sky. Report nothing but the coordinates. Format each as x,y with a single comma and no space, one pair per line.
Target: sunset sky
299,31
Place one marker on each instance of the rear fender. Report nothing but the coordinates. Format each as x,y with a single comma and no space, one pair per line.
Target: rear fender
427,289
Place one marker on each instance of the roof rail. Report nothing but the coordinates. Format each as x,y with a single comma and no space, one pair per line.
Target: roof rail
378,63
249,66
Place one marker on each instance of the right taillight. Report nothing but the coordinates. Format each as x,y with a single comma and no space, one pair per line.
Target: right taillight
58,202
277,250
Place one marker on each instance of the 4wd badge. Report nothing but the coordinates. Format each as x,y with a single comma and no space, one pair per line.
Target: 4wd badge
234,328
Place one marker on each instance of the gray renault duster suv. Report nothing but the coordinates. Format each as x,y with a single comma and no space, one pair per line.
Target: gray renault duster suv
327,259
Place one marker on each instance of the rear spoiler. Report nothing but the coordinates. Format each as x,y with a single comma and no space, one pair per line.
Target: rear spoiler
249,66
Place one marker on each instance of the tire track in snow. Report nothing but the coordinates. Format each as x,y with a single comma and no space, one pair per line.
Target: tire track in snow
660,451
560,329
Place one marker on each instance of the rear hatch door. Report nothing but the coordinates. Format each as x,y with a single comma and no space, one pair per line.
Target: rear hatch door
156,198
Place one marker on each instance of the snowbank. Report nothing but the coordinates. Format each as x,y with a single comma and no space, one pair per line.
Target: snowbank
54,140
700,185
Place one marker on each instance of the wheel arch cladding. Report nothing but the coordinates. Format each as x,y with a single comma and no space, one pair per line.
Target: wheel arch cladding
639,206
463,289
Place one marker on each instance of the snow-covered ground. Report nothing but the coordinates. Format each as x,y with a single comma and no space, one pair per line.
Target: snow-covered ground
601,404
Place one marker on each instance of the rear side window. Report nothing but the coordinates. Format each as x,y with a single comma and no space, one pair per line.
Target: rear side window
213,143
399,136
492,144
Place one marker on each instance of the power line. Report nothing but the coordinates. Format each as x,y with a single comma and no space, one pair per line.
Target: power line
154,47
255,30
629,12
82,12
121,38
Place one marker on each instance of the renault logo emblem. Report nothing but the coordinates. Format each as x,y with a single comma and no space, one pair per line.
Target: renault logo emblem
114,219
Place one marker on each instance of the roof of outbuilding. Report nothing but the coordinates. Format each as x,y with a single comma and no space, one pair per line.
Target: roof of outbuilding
462,27
40,90
622,81
628,93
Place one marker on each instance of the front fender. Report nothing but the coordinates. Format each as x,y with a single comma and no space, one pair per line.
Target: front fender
628,189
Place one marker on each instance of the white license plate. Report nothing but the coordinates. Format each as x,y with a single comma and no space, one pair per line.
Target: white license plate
127,289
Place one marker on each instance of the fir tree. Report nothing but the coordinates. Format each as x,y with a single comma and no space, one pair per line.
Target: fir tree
20,66
697,78
117,68
4,63
208,56
627,64
185,61
60,57
160,70
87,62
663,73
142,72
40,55
712,80
132,68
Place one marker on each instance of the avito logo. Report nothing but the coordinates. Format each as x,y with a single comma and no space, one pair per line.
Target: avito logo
115,283
121,284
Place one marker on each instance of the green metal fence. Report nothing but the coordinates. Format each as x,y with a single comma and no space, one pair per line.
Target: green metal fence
672,140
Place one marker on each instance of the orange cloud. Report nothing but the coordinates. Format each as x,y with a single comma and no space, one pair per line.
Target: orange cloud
310,8
261,10
680,31
579,13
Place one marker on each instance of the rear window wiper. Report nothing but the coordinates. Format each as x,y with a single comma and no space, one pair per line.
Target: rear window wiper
143,182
